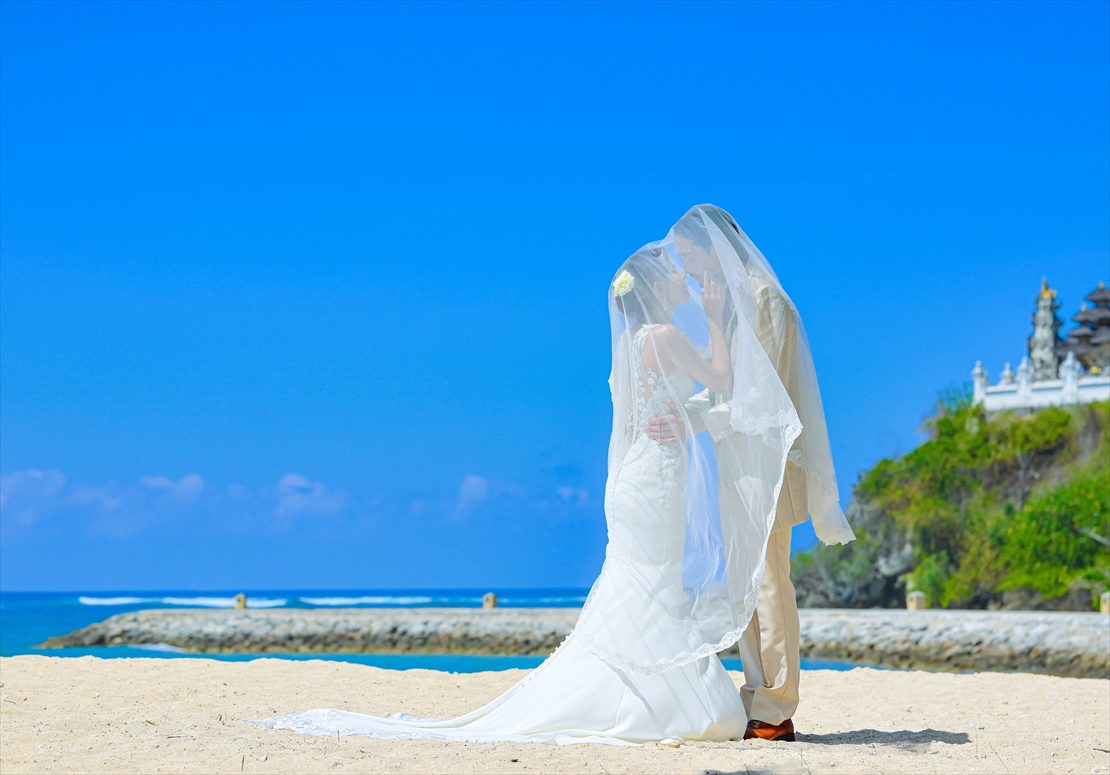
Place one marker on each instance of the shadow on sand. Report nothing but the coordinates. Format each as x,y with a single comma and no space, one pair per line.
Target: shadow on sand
903,738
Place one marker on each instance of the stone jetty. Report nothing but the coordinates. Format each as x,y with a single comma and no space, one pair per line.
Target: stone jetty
1056,643
1060,643
526,631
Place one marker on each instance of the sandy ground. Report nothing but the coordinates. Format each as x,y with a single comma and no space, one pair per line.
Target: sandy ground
184,715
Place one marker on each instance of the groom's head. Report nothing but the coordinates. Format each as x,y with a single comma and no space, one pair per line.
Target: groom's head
695,249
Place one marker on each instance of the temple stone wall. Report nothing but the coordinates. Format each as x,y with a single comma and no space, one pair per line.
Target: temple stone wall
1056,372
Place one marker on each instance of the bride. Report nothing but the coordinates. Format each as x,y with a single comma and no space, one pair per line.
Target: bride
681,577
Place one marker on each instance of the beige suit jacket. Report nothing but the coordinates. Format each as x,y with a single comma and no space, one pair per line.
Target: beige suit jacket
777,331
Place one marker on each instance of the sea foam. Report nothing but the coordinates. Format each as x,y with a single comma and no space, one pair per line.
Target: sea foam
366,600
161,647
194,602
224,602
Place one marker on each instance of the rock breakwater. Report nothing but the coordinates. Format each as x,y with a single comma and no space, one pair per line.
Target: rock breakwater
525,631
1066,644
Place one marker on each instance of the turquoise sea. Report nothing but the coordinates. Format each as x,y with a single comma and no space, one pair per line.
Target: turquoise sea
29,618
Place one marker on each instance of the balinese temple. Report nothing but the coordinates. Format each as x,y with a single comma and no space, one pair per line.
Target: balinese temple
1057,370
1090,339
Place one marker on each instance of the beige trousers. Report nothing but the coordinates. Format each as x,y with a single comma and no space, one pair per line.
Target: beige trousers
769,646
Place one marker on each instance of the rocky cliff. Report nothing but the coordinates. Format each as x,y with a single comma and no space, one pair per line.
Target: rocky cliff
1008,511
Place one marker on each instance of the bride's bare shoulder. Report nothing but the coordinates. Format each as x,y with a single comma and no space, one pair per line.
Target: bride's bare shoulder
664,333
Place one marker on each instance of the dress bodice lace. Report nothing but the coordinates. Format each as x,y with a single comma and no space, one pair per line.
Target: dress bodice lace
652,390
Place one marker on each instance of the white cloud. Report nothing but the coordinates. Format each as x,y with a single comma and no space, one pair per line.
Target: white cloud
297,495
31,498
479,492
187,487
473,491
577,497
25,495
106,497
33,483
28,498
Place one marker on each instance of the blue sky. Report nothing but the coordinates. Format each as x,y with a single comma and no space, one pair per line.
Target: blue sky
313,295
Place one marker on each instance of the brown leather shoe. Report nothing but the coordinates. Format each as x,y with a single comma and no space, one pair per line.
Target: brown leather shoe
764,731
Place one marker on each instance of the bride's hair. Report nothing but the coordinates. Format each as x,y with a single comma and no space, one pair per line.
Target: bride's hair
641,302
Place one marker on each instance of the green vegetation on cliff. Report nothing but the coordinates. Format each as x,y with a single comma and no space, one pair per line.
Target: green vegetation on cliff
1010,511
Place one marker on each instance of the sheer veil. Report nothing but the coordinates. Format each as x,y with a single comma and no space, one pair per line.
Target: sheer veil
680,584
811,451
688,521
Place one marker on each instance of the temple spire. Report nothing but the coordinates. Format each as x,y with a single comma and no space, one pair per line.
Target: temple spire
1043,345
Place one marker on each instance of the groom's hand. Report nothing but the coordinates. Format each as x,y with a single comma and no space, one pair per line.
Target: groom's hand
667,428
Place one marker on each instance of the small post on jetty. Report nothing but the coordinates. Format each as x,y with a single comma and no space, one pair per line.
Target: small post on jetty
915,601
240,601
489,600
1104,603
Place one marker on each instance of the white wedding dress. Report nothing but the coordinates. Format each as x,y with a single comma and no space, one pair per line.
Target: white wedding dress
682,575
576,695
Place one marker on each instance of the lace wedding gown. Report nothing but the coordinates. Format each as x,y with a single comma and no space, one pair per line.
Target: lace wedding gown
576,695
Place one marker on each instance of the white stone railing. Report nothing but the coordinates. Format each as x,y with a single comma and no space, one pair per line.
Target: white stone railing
1019,391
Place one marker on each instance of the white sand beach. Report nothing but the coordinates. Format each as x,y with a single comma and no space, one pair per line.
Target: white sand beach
185,715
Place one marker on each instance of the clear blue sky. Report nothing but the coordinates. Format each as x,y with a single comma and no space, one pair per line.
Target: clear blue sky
313,295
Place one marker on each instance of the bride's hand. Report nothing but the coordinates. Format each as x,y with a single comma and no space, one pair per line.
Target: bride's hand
713,300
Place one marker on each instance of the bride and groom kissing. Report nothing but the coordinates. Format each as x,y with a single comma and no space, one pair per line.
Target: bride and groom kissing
719,447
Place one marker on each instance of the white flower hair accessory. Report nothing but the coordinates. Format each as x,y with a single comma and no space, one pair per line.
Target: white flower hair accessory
624,283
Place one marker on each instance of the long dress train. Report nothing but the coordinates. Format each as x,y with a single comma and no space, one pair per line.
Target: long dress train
575,695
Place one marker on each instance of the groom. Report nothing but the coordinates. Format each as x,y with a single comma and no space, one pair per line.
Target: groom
769,647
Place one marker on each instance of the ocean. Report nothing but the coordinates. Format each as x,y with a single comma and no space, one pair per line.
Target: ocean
29,618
